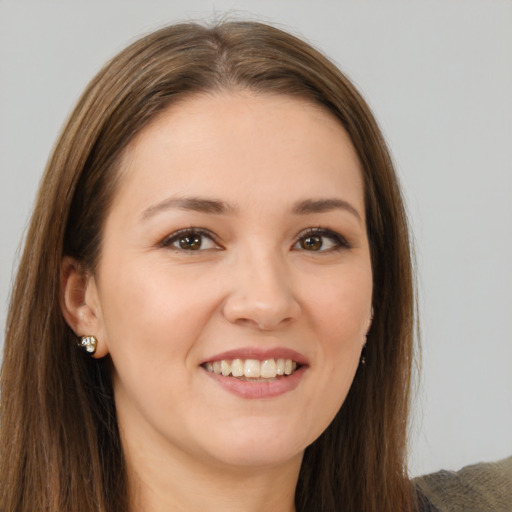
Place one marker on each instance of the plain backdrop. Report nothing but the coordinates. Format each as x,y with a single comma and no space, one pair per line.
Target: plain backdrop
438,76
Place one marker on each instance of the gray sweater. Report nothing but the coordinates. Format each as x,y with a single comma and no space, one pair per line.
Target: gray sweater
484,487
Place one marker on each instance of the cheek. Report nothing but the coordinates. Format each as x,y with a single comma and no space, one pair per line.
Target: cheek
152,314
340,311
153,318
340,306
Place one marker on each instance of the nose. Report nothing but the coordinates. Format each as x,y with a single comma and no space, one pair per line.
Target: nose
261,295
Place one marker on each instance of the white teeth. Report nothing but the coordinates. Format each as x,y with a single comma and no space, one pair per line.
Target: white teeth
252,368
225,368
268,369
237,368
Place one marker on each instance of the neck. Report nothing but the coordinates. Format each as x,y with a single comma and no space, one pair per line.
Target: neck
192,486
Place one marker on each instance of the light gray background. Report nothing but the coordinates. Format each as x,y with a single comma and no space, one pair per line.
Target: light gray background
439,78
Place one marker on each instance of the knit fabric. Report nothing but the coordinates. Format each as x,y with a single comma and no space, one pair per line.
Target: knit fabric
484,487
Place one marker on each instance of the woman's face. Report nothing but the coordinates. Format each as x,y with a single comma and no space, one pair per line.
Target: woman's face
236,243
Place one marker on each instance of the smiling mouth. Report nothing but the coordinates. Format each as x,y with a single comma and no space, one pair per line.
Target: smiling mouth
252,369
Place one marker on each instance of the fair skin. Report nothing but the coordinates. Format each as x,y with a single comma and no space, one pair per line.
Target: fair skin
273,264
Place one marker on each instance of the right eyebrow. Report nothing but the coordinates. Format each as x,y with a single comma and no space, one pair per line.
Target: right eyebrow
197,204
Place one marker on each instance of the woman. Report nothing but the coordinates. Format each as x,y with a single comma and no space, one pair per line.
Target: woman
221,229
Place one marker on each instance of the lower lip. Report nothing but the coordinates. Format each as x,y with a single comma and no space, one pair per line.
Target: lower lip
255,390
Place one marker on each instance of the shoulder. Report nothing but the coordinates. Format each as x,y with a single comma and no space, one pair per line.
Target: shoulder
424,503
476,488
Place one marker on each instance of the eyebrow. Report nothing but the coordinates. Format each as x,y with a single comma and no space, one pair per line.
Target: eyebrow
197,204
309,206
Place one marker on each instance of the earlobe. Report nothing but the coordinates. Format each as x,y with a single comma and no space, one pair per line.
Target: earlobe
80,304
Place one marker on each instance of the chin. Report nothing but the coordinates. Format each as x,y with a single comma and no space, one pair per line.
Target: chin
258,445
258,457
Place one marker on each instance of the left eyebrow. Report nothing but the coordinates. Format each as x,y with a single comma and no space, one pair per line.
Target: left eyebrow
197,204
324,205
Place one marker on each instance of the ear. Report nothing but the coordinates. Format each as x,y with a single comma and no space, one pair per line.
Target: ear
368,326
80,304
370,321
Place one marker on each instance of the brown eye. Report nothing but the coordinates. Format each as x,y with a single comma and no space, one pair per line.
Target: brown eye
190,243
190,240
311,243
321,240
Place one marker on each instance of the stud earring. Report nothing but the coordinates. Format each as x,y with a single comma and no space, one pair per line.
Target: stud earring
88,344
362,360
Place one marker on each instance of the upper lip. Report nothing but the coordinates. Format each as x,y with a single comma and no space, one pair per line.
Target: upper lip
259,354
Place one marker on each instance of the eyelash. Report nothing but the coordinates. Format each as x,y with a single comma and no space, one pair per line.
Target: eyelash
339,241
188,233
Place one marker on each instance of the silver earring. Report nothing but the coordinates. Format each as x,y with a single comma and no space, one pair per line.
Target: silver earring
88,344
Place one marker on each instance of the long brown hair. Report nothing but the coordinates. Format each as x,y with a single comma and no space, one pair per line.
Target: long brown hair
59,441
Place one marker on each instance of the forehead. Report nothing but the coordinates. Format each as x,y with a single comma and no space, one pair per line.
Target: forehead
231,140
